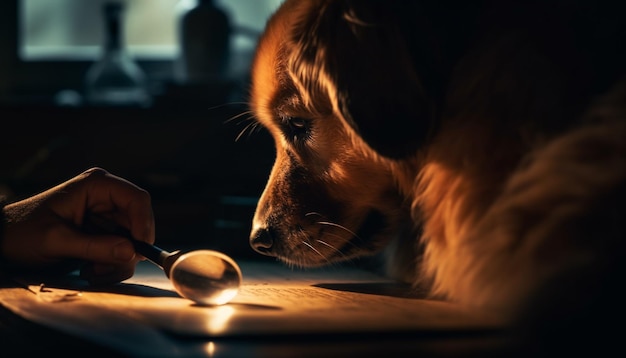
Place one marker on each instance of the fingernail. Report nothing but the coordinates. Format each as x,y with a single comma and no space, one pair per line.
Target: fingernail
124,251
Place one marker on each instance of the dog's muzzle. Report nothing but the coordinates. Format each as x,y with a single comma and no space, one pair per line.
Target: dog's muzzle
262,241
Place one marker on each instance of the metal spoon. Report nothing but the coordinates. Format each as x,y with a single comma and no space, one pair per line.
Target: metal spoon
206,277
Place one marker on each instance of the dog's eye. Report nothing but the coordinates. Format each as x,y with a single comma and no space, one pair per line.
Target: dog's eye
295,128
297,122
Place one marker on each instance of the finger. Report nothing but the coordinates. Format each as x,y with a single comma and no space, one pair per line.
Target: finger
133,206
103,192
107,249
99,274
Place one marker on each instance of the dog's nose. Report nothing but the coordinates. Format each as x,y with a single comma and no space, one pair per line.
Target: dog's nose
261,240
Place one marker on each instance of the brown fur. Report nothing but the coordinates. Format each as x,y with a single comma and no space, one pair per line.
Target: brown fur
494,138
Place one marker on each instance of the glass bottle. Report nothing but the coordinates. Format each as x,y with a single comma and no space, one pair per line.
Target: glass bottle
204,35
115,79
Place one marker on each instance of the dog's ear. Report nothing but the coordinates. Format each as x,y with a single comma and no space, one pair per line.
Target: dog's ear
356,52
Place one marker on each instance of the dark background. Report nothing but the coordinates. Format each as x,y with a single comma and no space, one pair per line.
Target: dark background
183,149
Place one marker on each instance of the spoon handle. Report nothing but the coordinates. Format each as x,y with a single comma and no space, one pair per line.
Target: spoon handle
96,224
151,252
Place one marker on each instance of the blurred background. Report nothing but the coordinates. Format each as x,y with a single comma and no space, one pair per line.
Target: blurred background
151,90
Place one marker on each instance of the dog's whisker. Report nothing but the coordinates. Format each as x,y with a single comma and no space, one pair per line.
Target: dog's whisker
344,240
256,127
234,103
339,227
236,116
316,250
313,213
330,246
244,130
250,127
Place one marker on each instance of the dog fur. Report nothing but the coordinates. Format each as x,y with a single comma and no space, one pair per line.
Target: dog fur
481,144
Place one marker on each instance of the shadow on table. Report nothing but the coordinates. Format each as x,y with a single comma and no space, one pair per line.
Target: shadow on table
390,289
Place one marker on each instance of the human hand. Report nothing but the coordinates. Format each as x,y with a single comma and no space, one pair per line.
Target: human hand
42,233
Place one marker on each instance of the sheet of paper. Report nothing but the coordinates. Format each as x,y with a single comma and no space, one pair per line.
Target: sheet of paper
273,300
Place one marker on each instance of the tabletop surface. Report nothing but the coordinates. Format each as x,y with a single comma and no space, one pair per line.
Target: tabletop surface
279,311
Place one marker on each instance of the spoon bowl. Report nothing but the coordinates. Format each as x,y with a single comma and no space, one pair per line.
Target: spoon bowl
207,277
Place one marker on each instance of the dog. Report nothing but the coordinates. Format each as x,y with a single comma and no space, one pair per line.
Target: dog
478,146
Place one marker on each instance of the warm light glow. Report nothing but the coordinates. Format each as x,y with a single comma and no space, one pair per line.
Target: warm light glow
226,296
218,318
210,349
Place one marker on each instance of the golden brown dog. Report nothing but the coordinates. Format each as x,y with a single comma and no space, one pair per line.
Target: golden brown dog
491,134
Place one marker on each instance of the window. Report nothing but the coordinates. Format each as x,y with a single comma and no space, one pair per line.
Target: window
73,29
57,40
